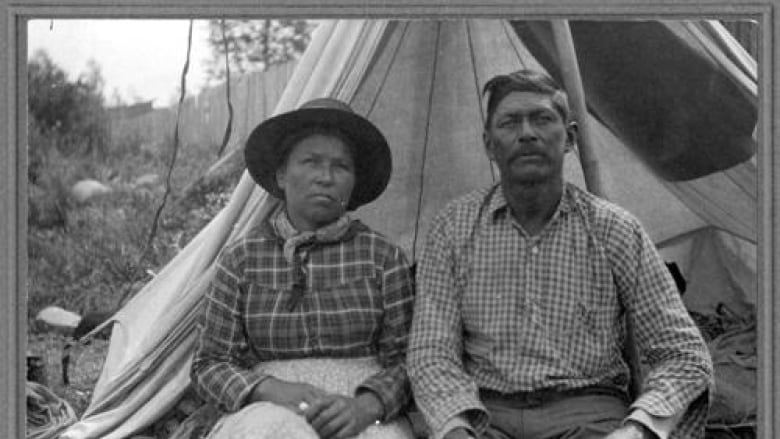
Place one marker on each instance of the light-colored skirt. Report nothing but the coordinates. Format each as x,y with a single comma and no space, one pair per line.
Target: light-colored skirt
265,420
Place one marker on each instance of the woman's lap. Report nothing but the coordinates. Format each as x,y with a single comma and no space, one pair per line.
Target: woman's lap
265,420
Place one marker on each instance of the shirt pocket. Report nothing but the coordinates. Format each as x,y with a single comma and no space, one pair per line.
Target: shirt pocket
274,332
589,338
348,314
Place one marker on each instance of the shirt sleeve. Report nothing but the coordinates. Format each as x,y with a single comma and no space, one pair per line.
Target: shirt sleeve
222,366
391,385
441,387
661,426
680,373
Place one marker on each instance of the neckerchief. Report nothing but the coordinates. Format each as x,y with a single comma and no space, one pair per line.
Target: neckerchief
293,239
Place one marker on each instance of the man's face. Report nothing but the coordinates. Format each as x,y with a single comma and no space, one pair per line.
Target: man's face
317,180
527,138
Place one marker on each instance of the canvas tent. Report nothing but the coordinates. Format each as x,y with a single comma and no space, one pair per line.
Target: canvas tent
419,81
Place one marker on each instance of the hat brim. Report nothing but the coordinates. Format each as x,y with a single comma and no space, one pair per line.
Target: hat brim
373,161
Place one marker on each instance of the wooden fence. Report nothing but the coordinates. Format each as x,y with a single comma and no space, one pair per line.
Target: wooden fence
204,117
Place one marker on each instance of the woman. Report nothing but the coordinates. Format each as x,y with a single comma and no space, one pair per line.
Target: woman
305,324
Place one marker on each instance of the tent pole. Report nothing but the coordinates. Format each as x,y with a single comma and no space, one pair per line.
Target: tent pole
570,70
573,83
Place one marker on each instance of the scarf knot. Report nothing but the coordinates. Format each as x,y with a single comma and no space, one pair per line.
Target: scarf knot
293,238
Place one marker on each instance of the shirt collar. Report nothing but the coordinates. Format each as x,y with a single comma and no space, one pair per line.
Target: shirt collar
497,204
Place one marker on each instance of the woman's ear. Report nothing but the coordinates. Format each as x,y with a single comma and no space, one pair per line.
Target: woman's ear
280,177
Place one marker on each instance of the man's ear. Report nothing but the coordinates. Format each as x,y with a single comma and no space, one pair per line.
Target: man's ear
572,132
488,146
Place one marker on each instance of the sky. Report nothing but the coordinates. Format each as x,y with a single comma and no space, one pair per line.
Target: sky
139,59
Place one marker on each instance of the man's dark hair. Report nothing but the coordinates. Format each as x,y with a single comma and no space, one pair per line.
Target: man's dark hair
525,80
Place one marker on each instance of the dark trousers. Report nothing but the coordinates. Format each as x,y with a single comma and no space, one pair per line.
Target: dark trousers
574,415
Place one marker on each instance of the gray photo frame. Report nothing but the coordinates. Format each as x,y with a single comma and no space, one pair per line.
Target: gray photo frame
13,161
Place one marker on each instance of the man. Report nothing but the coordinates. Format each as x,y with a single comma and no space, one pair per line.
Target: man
525,289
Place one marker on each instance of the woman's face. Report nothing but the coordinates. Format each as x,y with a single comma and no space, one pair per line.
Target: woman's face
317,180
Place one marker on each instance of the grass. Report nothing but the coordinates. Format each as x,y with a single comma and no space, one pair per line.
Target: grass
86,363
88,256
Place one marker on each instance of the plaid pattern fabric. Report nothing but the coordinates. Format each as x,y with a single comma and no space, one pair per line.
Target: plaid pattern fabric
498,309
357,302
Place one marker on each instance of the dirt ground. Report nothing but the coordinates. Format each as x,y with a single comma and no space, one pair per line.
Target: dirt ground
86,363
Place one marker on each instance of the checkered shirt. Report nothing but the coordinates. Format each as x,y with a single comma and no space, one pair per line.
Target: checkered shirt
498,309
357,302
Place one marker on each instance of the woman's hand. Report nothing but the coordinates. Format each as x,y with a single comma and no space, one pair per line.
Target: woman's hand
286,393
339,417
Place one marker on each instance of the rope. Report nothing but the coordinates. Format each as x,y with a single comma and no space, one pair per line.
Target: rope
171,164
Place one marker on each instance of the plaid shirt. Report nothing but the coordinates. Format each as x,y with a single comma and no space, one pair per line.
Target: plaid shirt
357,302
501,310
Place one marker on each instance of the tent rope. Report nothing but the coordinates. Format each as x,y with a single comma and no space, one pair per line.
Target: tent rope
229,127
171,164
425,144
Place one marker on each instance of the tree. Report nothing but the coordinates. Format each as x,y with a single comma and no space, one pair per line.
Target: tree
71,113
255,44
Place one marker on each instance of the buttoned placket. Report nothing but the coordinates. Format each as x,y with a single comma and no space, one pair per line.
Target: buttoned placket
308,301
531,284
530,261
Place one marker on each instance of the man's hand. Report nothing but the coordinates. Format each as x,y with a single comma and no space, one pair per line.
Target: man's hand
458,433
632,430
339,417
286,393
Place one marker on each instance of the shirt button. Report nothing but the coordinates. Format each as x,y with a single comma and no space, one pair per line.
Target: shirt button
534,250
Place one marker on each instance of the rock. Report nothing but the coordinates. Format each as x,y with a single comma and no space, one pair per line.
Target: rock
61,320
146,180
86,189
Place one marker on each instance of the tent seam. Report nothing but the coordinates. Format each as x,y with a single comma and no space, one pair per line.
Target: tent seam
425,144
477,88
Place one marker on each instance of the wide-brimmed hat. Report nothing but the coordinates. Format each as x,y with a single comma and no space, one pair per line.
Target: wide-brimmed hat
265,152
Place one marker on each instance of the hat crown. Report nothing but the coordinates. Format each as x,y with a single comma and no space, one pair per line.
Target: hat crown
327,103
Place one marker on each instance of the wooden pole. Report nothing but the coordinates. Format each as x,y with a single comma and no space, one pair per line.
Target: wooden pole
567,56
573,83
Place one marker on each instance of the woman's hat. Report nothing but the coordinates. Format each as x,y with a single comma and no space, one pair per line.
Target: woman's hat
265,148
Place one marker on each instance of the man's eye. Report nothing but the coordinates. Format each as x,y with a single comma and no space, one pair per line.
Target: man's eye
544,118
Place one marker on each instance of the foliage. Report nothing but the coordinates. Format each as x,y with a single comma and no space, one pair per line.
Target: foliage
97,255
88,256
69,113
255,44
